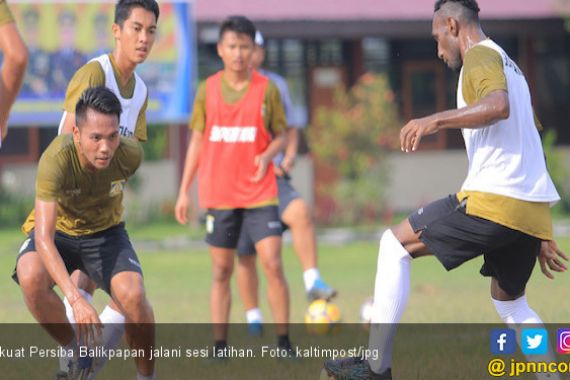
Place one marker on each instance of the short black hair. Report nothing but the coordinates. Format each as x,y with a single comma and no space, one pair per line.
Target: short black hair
99,99
124,7
239,25
470,6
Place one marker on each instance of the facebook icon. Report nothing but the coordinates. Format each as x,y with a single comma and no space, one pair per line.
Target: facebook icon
503,341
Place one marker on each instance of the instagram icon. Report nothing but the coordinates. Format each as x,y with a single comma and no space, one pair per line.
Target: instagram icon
563,346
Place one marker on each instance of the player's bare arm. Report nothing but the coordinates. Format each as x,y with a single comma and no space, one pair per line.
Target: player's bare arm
291,151
262,161
85,315
190,169
13,69
492,108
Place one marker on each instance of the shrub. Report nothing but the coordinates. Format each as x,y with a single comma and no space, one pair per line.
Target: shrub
349,141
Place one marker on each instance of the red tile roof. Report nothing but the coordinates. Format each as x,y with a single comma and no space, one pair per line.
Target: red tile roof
345,10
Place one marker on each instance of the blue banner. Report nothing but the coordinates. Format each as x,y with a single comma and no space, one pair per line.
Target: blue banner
62,37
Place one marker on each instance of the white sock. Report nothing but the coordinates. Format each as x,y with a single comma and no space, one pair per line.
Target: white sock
391,292
309,277
254,315
69,309
142,377
516,314
113,330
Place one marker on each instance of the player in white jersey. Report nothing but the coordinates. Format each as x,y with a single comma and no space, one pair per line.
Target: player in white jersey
502,210
15,60
134,31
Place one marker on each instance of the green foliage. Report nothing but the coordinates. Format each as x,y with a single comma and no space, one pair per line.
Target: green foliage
558,171
14,208
157,143
351,138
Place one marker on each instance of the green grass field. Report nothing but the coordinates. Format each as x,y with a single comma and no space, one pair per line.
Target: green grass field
178,283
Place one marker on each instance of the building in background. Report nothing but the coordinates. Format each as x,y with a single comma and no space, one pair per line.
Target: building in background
317,45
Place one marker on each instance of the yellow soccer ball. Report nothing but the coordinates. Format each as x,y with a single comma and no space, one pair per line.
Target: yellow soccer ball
322,317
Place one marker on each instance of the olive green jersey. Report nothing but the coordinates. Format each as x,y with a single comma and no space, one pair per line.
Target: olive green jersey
88,201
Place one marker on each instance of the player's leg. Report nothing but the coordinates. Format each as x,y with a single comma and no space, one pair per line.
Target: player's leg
220,297
295,213
44,303
41,299
410,239
510,268
112,263
127,290
248,284
264,227
223,229
111,318
278,291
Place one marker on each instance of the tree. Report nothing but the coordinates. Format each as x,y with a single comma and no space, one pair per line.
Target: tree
350,140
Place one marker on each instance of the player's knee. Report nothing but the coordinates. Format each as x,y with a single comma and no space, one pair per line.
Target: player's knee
222,273
388,238
298,213
391,248
127,288
273,268
32,277
134,298
246,270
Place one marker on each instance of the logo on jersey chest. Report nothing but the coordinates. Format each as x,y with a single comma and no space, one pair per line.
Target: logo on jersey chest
72,192
233,134
124,131
117,187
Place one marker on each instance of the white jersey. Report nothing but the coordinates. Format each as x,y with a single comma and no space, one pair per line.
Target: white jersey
131,107
506,157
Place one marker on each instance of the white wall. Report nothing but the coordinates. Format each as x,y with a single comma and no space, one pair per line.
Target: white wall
415,179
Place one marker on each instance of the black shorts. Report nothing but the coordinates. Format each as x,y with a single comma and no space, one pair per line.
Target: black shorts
224,226
100,255
287,194
455,237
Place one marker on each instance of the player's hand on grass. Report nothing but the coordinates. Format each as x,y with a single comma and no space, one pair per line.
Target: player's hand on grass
261,163
550,258
412,133
181,208
88,323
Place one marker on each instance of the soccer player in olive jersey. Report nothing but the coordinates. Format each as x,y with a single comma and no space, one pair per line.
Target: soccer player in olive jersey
503,208
77,224
134,30
15,60
235,114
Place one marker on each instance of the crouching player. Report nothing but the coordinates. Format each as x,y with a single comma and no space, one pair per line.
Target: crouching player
77,225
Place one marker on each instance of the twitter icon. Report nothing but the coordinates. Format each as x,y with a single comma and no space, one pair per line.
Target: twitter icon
534,341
